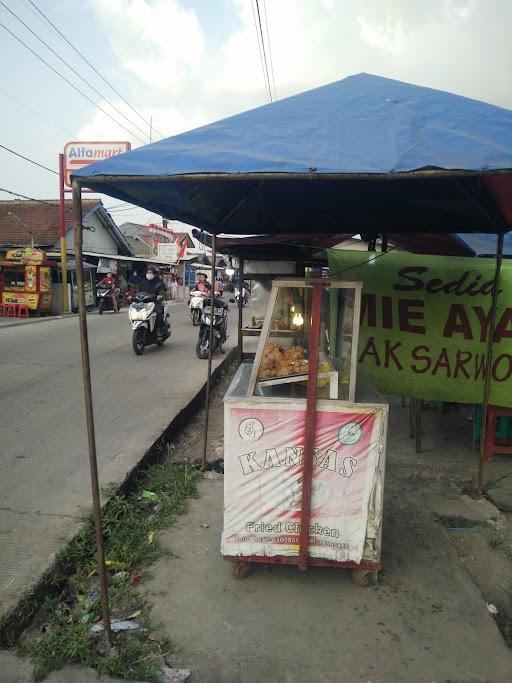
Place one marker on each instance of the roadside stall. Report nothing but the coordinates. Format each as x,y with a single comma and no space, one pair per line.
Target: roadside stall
304,442
333,171
25,281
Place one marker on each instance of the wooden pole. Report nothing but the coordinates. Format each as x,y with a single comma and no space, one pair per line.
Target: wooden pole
240,308
488,361
210,353
309,438
86,370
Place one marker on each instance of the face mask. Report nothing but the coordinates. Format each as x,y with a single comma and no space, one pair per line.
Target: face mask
150,276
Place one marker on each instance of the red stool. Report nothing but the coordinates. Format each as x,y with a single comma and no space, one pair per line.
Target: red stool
23,311
12,310
3,310
492,443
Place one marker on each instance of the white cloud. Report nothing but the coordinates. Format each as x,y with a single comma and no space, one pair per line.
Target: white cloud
185,79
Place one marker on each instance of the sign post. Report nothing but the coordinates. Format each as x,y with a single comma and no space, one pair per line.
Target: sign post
77,155
62,233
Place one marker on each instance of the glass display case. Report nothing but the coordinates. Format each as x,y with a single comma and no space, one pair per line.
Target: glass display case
281,365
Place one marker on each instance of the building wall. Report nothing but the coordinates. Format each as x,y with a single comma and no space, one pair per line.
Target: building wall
100,241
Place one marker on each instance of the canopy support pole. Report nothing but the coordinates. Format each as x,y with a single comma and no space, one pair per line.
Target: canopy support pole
240,308
86,370
309,437
488,360
210,353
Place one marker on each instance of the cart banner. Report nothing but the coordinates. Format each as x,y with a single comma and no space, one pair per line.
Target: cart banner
425,321
263,481
25,298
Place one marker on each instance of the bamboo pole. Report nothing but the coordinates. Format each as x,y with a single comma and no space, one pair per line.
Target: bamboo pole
86,369
210,353
488,361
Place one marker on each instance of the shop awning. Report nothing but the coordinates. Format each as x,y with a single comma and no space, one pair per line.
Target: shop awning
360,155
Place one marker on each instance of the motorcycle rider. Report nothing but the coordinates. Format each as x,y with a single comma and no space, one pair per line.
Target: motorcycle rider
153,285
202,285
109,282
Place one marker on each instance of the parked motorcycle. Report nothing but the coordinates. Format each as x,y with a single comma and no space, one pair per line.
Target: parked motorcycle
245,295
142,315
195,305
105,299
220,326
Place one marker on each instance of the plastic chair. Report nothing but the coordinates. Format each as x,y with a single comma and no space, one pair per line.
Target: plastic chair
492,442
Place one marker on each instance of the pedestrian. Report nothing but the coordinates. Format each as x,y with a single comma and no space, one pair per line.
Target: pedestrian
174,289
134,281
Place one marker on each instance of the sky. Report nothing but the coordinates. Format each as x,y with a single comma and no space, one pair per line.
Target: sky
186,63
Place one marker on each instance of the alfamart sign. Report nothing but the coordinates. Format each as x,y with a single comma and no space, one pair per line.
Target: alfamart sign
80,154
425,322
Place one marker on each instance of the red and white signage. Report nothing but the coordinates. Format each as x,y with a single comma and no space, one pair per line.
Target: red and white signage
80,154
263,480
156,229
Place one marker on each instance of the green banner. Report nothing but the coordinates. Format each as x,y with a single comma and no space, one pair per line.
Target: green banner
425,321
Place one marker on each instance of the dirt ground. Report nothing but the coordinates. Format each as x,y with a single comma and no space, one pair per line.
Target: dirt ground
445,588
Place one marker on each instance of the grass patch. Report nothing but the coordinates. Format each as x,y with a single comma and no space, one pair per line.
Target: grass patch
61,632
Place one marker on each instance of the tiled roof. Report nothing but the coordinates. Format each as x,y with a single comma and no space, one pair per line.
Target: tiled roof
42,219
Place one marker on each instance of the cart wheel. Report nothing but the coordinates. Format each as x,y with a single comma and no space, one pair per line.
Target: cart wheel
242,570
363,577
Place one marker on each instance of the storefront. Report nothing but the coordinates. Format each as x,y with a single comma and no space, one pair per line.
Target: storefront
25,279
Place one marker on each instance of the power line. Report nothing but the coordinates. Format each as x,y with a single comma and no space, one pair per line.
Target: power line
36,35
92,67
263,48
269,50
24,196
43,118
28,159
70,83
267,87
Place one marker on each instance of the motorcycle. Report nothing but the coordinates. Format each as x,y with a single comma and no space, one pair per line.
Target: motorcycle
220,326
142,315
195,305
105,299
245,295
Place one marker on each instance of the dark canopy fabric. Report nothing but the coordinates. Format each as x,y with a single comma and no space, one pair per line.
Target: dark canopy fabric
306,248
360,155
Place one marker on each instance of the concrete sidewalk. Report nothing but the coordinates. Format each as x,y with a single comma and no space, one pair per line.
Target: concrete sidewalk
425,621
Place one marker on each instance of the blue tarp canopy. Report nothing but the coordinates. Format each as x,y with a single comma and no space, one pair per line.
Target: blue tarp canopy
362,155
484,244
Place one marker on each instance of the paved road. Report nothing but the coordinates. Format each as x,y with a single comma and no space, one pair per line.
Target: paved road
44,471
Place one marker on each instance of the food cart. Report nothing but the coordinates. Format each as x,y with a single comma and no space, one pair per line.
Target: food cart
304,442
25,279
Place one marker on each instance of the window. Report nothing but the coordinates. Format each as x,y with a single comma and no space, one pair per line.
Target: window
14,278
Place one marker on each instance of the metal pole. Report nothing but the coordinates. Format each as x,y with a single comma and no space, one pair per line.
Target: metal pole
86,369
240,308
63,253
309,439
488,360
210,352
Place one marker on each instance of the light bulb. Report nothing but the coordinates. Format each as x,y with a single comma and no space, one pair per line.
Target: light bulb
298,320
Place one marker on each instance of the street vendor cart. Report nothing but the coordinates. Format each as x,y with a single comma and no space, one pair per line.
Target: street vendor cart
304,442
25,279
